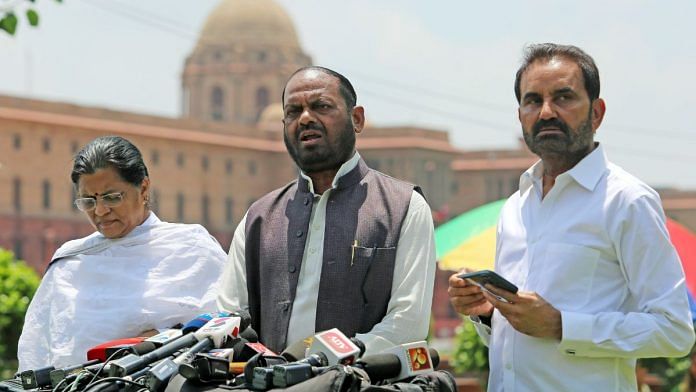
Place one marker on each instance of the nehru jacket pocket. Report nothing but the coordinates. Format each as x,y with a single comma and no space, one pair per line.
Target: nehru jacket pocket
567,275
372,267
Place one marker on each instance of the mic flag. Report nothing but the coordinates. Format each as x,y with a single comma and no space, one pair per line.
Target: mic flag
414,357
337,347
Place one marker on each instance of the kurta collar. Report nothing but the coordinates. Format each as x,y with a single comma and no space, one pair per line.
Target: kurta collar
350,173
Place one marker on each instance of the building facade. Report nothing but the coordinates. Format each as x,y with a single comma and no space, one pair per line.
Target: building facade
227,149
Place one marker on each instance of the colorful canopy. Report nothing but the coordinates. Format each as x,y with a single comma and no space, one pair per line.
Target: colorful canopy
468,239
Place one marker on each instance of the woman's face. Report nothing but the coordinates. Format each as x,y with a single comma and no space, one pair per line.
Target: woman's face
111,217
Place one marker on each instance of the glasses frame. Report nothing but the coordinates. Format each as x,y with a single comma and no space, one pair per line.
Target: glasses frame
105,199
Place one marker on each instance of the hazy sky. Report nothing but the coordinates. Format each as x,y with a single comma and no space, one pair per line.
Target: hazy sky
443,64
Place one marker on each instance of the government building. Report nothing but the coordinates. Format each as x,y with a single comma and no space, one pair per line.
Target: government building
226,150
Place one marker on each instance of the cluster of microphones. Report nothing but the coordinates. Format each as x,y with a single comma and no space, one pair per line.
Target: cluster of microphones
221,349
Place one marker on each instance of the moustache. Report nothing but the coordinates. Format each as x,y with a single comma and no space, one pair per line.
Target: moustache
310,126
554,122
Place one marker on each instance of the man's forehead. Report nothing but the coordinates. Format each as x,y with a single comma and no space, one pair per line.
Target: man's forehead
311,81
550,72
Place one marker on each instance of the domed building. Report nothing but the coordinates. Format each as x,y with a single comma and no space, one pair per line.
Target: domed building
246,51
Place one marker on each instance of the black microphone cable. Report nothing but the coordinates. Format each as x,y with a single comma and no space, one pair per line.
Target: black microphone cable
101,368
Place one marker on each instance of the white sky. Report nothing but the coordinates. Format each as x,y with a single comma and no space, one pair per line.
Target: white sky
443,64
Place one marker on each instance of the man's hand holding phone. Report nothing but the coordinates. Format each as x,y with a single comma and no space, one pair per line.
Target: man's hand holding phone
484,277
527,312
467,298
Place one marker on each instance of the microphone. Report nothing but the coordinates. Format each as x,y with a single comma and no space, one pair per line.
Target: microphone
294,373
399,362
105,350
213,334
165,337
217,365
36,378
216,330
245,350
297,350
214,365
11,385
249,334
258,371
337,347
285,375
201,320
57,375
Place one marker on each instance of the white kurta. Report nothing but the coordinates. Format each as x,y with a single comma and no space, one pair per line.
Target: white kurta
98,289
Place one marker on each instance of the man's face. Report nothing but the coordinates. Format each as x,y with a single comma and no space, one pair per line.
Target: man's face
319,130
555,111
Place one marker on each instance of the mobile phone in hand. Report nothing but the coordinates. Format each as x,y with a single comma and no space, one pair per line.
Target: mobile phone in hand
480,278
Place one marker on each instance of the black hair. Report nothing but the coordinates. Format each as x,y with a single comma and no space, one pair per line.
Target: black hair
110,151
547,51
345,88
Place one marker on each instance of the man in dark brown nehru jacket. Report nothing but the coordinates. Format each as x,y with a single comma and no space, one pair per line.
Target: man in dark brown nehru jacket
344,245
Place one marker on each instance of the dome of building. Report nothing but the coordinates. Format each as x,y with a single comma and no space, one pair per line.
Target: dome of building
250,23
273,113
271,118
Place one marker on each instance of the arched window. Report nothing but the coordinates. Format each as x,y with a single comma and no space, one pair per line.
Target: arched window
217,104
261,100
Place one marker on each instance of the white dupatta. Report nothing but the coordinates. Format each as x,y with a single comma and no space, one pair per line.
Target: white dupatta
98,289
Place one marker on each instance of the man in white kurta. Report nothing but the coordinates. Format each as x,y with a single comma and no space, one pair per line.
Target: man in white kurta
98,289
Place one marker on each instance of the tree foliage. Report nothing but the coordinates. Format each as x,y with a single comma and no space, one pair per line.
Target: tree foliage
8,14
18,282
470,354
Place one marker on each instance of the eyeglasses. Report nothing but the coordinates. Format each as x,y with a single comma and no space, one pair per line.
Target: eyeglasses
110,200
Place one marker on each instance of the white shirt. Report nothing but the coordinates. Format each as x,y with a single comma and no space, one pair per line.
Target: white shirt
408,311
100,289
597,249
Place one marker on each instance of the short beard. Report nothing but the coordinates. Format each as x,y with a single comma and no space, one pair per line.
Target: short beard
328,157
573,146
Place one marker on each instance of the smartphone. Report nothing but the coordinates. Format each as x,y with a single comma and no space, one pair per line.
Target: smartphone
480,278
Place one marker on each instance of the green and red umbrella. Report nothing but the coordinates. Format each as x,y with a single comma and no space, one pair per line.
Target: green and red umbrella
468,240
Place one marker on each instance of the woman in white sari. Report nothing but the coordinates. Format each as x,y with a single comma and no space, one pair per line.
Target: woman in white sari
134,274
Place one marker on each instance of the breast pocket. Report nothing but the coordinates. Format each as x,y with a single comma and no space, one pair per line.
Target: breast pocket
566,276
371,268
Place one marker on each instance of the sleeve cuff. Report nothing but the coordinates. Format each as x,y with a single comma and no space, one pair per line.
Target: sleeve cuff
374,344
482,329
577,333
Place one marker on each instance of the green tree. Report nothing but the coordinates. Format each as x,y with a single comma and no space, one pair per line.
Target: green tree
470,354
9,12
18,282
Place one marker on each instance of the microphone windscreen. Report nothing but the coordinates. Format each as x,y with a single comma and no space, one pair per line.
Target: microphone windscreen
434,356
244,316
295,351
380,366
142,348
250,335
360,345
